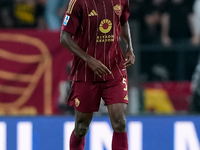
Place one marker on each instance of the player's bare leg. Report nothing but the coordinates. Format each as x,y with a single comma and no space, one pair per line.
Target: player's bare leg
82,122
117,113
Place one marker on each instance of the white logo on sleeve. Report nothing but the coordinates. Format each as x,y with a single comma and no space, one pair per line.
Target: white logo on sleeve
66,20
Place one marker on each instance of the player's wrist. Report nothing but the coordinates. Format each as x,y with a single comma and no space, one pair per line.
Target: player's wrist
130,48
88,58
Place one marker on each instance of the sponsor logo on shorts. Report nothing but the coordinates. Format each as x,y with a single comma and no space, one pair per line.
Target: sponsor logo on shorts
77,102
66,20
126,97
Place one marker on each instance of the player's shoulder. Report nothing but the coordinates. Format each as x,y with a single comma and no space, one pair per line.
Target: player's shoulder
74,4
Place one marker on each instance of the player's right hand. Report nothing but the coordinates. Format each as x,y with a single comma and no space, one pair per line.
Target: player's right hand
98,67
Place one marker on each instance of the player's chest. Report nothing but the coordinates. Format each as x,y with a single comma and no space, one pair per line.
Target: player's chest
103,8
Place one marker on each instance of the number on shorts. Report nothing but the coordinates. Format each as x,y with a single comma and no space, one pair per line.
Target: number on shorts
124,82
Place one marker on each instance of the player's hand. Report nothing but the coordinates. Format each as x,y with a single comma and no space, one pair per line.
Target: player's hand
129,58
98,68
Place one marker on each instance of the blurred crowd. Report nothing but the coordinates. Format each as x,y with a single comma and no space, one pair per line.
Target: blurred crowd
40,14
160,21
167,21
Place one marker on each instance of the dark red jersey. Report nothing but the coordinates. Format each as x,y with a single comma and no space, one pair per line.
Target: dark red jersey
96,27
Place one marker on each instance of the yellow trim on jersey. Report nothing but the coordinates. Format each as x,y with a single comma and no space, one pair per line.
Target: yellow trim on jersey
71,6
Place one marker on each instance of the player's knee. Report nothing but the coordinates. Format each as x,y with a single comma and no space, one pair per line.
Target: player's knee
81,130
119,125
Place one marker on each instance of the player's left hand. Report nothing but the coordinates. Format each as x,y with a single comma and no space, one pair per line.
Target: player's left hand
129,58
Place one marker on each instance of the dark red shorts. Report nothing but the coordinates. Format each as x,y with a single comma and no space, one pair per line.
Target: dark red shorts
86,96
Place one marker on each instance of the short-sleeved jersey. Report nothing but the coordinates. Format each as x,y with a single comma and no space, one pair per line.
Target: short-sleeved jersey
96,28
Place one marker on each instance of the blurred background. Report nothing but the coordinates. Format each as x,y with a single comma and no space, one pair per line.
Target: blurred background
34,67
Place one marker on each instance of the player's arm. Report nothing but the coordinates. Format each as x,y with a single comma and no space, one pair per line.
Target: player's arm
94,64
126,37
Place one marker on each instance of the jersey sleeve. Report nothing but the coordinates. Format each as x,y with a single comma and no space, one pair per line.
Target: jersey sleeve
72,18
125,13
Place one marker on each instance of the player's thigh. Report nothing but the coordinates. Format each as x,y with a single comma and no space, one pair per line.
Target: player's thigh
117,113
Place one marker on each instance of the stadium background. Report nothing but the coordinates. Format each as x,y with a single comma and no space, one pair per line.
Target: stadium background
34,81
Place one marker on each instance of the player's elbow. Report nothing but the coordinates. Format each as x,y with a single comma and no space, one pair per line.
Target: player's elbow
62,40
65,39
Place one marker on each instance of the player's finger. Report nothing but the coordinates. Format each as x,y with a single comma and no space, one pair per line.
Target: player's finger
98,74
107,70
127,64
100,71
126,61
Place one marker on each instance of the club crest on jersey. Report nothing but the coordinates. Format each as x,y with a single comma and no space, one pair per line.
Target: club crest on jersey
66,20
77,102
118,9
